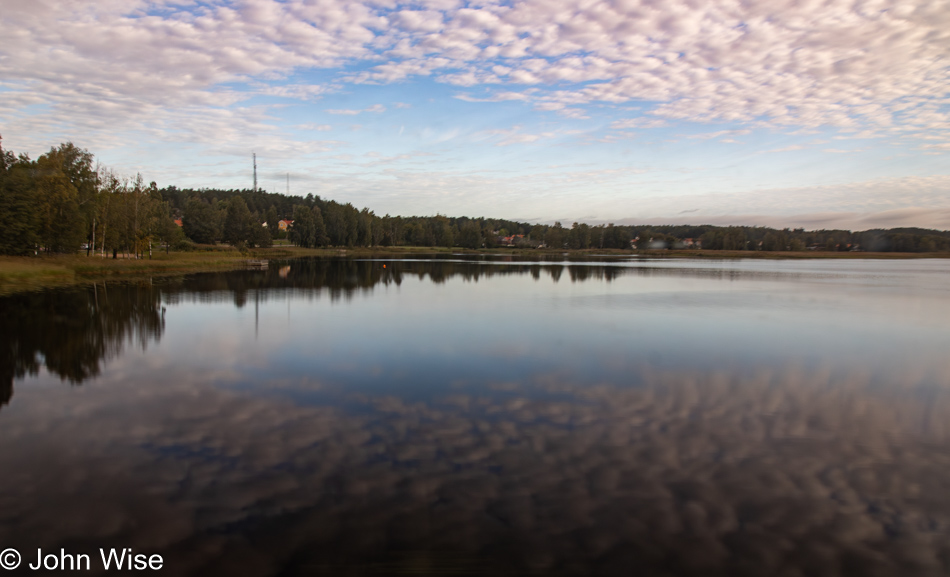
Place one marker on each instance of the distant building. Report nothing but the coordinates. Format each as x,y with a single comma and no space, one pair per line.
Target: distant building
284,225
178,222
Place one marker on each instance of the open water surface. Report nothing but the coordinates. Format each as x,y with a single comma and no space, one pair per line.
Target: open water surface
460,416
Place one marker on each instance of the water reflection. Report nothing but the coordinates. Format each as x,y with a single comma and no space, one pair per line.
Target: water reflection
71,333
783,474
343,278
449,417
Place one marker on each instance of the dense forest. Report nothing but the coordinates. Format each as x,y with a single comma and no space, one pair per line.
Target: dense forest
61,203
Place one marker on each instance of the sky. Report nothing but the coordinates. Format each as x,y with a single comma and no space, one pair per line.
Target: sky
811,113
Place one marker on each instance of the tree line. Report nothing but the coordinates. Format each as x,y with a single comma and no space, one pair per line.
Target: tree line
770,239
63,202
321,223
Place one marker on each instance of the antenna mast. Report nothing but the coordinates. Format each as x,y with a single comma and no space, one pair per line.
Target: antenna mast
254,156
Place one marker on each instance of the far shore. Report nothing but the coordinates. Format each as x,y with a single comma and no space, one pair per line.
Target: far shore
27,273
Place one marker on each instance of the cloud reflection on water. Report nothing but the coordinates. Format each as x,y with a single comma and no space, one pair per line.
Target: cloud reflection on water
711,419
785,473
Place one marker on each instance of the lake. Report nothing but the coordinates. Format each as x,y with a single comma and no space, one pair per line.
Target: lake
460,415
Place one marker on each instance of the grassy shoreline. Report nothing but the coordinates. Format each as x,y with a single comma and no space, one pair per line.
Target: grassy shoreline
35,273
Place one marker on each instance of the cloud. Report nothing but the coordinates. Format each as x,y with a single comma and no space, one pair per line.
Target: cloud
886,202
515,136
783,64
719,133
496,97
210,78
911,216
575,113
350,112
107,68
638,123
788,148
295,91
907,216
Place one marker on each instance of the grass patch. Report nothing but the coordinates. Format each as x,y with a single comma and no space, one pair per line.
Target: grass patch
29,273
34,273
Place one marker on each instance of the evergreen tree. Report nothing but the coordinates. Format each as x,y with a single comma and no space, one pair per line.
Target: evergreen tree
470,235
270,217
302,232
319,228
237,223
199,222
17,205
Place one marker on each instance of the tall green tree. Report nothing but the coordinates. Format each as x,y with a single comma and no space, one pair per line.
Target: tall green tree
351,217
270,217
393,230
259,234
734,238
65,185
579,236
302,232
237,223
320,237
108,205
17,205
199,222
470,235
61,226
444,232
537,232
555,236
336,224
169,233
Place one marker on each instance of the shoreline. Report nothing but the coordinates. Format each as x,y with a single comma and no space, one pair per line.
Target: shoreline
26,273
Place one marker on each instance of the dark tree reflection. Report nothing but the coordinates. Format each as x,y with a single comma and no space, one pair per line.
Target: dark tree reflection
72,333
343,278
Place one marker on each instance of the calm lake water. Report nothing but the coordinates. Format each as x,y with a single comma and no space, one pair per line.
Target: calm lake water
485,416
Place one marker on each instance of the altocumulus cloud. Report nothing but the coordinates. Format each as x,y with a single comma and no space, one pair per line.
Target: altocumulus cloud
872,63
217,74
